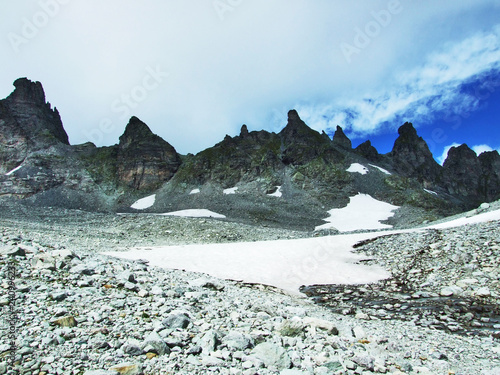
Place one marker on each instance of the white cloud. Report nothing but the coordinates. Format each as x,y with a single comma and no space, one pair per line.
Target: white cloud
420,93
253,65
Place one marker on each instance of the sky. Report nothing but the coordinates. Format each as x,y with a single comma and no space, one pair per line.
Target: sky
197,70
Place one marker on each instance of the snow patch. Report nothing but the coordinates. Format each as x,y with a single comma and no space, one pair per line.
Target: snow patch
144,203
230,190
431,192
195,213
194,191
357,168
480,218
277,193
380,169
12,171
362,212
286,264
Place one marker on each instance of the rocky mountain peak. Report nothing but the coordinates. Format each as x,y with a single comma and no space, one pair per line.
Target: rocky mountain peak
295,127
243,131
366,150
459,155
411,156
27,91
29,119
145,160
472,176
341,140
135,131
300,143
408,132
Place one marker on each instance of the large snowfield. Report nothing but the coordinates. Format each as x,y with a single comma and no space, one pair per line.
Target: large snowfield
289,264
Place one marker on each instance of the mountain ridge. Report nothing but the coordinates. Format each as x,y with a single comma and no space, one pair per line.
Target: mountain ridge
310,167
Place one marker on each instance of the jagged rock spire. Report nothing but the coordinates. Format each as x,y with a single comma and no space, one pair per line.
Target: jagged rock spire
411,156
145,160
341,140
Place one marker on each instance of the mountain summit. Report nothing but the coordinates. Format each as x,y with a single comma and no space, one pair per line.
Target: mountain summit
291,178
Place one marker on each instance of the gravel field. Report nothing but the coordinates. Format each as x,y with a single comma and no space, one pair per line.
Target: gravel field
81,312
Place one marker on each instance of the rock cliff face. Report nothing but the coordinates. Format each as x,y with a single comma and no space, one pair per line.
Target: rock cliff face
489,182
341,140
27,124
301,144
312,172
411,157
472,177
369,152
462,171
145,160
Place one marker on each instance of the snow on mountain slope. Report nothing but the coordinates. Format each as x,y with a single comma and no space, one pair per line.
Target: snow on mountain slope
286,264
357,168
195,213
144,203
289,264
362,212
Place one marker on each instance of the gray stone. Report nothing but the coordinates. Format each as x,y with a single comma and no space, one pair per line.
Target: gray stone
273,355
209,341
156,290
210,361
12,251
59,296
101,372
450,291
238,341
483,292
293,372
132,349
82,269
156,342
368,362
176,320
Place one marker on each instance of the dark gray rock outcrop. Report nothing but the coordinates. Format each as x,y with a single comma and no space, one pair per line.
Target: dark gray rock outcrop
145,160
411,157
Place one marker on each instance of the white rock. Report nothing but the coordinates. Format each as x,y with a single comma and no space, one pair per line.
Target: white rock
451,290
483,292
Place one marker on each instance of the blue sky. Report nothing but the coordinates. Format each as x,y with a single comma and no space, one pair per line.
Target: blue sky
195,71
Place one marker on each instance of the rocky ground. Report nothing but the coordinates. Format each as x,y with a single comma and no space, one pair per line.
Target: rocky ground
442,279
81,312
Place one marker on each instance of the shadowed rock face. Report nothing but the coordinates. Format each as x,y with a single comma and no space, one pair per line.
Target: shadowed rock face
470,176
366,150
412,158
310,168
489,182
27,124
145,160
462,171
341,140
33,115
301,144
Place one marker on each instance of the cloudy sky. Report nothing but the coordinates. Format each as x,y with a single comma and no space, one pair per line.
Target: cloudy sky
197,70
